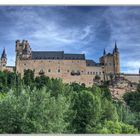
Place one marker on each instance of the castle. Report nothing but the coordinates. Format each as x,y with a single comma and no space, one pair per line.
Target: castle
69,67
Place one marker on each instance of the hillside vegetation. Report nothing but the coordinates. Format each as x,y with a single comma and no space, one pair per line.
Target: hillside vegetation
42,105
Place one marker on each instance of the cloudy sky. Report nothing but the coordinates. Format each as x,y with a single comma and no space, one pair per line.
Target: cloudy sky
74,30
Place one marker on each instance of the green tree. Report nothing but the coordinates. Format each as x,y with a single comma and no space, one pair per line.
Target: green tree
132,99
41,81
87,108
28,77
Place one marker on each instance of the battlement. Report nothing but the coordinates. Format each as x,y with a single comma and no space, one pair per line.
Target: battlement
23,41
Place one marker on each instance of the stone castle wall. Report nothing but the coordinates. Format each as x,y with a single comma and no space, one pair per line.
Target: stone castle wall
132,77
62,69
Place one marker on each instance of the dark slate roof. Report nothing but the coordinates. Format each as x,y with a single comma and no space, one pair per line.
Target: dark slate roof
109,54
92,63
56,55
3,54
47,55
74,56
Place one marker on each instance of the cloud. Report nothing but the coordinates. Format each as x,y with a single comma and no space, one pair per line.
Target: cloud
76,29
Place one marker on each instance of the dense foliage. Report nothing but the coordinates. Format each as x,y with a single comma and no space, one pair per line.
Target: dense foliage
132,99
43,105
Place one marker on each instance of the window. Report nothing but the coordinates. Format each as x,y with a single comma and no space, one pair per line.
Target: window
68,71
100,73
96,73
59,70
41,72
91,73
49,70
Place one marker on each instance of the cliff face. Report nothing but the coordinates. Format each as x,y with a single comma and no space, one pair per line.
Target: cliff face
120,87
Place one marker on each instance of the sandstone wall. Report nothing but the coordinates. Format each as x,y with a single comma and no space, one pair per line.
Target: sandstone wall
62,69
132,77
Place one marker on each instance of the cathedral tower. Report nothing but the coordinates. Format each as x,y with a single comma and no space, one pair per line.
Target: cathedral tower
116,60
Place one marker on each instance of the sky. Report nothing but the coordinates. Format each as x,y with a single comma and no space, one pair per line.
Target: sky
74,29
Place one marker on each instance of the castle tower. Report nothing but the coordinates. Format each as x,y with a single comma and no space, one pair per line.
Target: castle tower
116,60
23,50
3,58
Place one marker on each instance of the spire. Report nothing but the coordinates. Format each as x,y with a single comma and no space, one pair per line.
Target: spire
116,48
3,54
104,52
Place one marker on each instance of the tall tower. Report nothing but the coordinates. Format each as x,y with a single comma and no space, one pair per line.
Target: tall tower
3,58
116,60
23,50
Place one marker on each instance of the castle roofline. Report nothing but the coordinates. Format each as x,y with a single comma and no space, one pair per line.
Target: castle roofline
56,55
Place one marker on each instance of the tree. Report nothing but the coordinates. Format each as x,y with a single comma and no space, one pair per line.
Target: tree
41,81
138,88
28,77
111,127
111,78
34,111
87,108
132,99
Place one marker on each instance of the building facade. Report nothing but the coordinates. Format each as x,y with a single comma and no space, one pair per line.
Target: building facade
69,67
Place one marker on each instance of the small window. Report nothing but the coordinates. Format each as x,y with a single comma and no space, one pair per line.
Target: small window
68,71
91,73
49,70
59,70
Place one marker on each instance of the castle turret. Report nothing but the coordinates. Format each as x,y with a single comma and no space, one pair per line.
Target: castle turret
116,59
104,53
3,58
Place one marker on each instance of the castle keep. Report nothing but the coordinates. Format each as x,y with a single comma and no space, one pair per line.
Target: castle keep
57,64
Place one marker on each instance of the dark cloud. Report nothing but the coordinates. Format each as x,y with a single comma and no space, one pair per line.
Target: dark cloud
79,29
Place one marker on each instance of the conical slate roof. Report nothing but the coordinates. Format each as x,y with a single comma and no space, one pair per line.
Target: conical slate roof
3,54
